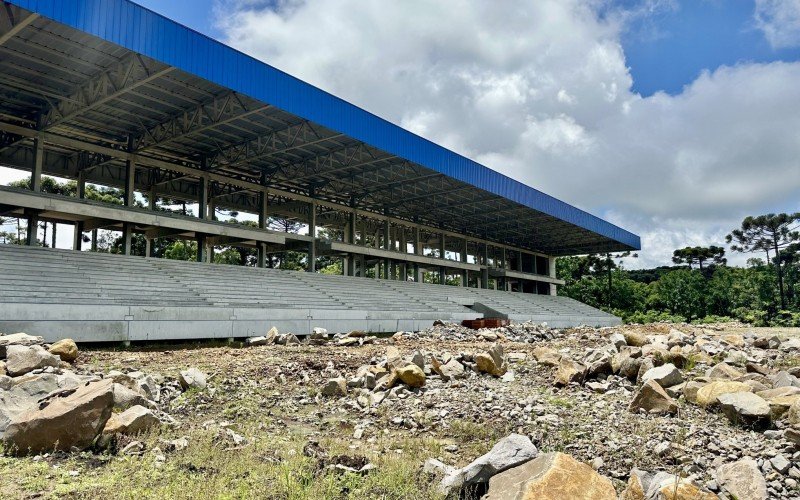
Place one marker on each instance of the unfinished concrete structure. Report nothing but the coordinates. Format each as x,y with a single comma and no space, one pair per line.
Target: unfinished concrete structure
109,93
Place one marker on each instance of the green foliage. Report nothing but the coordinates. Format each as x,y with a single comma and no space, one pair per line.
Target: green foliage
699,255
682,293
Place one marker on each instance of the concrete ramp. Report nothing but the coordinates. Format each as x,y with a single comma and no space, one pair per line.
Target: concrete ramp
105,297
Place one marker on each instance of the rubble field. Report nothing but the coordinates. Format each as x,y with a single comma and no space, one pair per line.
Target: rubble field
659,411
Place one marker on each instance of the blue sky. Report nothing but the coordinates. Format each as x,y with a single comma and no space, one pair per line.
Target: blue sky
674,119
665,50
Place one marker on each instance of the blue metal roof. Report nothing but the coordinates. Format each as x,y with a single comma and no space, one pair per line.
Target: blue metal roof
138,29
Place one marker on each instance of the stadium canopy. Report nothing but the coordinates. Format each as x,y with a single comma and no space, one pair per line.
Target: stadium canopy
104,81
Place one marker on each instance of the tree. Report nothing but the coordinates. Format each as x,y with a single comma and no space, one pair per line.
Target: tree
764,233
682,292
699,255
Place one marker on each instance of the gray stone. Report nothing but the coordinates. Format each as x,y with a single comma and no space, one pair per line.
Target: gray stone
256,341
665,375
125,397
65,419
23,359
335,387
132,421
652,398
617,340
780,463
742,480
18,339
745,408
510,451
192,378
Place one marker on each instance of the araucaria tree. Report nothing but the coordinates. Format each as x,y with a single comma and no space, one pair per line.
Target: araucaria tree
769,233
699,256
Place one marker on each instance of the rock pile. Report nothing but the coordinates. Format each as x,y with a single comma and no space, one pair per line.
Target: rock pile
46,406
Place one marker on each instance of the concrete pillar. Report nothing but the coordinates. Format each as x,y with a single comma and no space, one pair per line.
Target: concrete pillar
350,237
485,269
36,186
53,236
312,231
551,263
152,199
463,258
94,240
519,261
77,236
202,198
127,238
38,161
262,224
386,246
129,199
202,250
417,273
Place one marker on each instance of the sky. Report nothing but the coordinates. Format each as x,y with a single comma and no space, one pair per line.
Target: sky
673,119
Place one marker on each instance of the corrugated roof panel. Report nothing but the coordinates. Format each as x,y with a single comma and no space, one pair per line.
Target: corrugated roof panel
140,30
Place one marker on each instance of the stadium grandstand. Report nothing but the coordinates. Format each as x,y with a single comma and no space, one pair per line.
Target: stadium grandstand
108,93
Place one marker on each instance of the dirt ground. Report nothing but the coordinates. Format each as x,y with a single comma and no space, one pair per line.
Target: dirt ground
270,396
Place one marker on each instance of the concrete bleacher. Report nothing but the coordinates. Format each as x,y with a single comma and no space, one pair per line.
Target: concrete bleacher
106,297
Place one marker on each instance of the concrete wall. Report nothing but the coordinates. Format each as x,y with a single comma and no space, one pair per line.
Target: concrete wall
90,323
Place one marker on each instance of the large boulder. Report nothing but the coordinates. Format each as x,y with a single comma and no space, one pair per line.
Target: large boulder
64,420
745,408
335,387
779,405
23,359
66,349
665,375
510,451
723,371
126,397
132,421
638,483
742,480
666,486
192,379
22,393
552,476
708,394
492,361
546,356
570,371
653,399
411,375
636,339
22,339
793,414
449,370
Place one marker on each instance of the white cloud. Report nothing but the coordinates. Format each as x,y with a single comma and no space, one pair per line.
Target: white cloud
541,91
780,21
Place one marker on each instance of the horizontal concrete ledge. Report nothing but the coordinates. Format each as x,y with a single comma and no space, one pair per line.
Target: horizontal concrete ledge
99,323
75,209
507,273
337,246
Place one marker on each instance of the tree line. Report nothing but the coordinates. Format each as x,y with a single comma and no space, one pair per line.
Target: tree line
700,286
